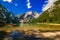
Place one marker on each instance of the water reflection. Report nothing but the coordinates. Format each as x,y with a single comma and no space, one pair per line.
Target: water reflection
17,35
2,35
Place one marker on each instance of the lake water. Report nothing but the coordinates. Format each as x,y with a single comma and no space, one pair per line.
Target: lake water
17,35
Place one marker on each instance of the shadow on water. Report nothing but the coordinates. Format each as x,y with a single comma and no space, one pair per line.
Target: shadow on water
2,35
17,35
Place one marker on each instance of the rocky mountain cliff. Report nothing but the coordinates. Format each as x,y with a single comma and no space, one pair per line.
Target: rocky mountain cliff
52,15
28,16
7,17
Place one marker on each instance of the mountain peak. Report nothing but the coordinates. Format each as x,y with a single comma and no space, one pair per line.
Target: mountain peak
30,15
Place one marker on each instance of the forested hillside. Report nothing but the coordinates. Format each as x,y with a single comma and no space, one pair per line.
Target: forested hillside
52,15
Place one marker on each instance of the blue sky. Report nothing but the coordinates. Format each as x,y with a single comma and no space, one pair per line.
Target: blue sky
22,6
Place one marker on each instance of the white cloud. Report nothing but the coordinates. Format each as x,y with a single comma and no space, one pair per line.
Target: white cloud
28,4
16,4
28,0
7,1
48,5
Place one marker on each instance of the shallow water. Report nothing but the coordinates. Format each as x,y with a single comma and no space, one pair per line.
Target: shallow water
17,35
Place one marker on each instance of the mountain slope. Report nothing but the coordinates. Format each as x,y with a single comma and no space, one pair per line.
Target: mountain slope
28,16
52,15
7,17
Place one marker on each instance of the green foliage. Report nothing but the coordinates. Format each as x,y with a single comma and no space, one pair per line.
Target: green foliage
58,2
50,17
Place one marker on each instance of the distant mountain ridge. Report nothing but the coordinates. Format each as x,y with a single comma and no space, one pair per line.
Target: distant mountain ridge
28,16
7,17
